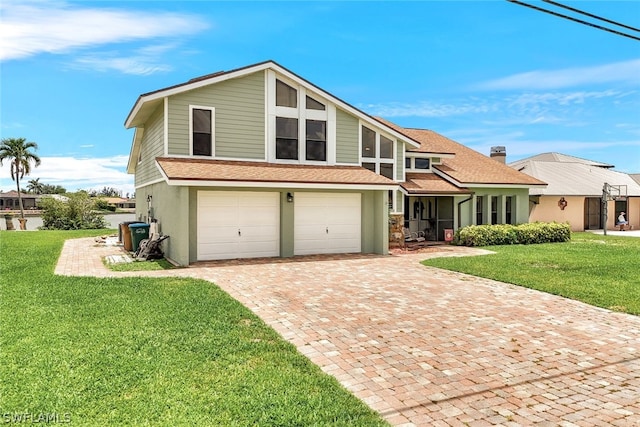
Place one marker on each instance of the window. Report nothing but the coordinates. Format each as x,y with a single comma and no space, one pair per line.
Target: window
286,96
508,204
377,153
422,163
479,204
312,104
368,142
202,132
386,169
386,148
407,162
286,138
316,146
301,124
494,209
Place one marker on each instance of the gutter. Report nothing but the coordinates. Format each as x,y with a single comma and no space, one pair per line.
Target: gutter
460,207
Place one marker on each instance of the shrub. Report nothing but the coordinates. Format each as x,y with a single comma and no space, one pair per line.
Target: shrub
77,213
103,205
506,234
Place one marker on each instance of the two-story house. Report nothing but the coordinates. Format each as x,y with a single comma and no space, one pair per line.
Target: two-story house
259,162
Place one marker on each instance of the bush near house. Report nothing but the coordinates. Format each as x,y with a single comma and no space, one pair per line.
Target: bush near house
76,213
507,234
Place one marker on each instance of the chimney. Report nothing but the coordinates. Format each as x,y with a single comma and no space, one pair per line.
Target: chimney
499,154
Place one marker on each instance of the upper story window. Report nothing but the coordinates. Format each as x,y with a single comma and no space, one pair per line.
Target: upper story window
286,96
418,164
300,132
312,104
377,153
202,131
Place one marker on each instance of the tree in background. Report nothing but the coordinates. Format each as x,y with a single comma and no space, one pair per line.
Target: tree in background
53,189
76,213
18,152
106,192
35,186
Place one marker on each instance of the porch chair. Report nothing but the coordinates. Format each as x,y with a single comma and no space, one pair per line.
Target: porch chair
413,239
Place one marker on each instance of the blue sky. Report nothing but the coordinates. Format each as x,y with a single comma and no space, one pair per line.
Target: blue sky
481,73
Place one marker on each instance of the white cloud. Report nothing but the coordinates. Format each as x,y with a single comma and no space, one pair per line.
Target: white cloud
529,108
430,109
40,27
626,71
76,174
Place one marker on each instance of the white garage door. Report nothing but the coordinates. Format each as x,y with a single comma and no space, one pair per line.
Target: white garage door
327,223
238,225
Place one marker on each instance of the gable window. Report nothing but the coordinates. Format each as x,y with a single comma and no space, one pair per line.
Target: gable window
377,153
368,142
286,96
316,146
312,104
286,138
300,125
202,131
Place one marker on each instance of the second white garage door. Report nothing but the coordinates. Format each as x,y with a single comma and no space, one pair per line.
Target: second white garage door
327,223
238,225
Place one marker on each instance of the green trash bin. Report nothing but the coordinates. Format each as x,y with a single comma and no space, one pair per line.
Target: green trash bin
139,232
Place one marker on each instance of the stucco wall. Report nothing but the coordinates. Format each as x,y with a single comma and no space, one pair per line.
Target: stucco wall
170,206
547,210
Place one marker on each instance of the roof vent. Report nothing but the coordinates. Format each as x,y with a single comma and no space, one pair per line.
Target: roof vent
499,153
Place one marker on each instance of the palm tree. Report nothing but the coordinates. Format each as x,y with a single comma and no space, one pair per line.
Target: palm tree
35,186
18,151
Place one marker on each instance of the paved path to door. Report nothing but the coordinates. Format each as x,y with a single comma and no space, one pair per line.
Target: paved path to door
427,347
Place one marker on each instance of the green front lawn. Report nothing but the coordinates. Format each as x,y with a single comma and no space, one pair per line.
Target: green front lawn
600,270
147,351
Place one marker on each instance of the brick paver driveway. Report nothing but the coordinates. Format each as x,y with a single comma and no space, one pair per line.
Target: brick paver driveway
424,346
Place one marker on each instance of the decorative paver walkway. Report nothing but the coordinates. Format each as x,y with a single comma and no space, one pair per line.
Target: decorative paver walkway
426,347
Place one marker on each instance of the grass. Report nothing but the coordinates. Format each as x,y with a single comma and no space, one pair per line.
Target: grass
143,351
599,270
150,265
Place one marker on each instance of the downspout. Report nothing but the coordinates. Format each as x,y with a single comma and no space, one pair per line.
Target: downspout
460,207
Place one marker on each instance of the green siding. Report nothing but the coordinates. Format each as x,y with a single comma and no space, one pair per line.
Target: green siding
347,144
239,117
152,146
400,146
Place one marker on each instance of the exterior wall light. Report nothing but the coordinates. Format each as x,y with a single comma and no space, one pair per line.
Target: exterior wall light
290,197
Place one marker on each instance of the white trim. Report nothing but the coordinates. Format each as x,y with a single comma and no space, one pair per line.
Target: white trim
213,130
150,182
481,185
252,184
377,160
302,114
134,155
503,185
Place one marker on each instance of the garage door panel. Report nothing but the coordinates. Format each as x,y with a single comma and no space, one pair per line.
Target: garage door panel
317,213
238,224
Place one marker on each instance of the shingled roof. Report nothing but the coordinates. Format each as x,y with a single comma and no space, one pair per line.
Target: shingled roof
467,167
184,169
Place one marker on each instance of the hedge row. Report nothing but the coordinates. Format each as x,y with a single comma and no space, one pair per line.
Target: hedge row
506,234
